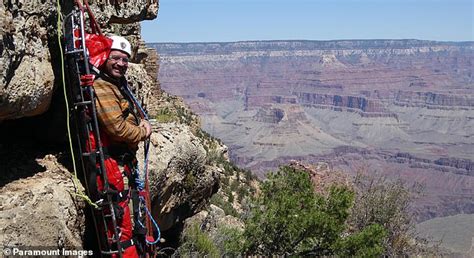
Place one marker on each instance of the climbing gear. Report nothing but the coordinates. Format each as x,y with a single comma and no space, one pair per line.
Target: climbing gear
122,44
76,181
99,47
143,185
104,182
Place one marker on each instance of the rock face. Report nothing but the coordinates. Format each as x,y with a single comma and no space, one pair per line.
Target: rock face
41,210
180,181
404,107
144,86
212,219
27,75
30,53
38,205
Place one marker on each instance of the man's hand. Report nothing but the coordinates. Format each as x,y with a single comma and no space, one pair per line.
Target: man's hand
147,126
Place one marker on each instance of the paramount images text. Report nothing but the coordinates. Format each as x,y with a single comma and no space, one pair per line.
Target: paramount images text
15,251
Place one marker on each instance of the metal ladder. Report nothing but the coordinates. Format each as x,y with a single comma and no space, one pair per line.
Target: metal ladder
84,109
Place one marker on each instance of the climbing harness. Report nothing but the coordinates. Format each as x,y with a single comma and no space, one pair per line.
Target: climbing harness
84,53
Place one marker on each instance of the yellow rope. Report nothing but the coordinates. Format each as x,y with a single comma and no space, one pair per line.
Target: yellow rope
76,181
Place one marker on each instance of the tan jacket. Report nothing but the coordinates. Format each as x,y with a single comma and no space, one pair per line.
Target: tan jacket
116,116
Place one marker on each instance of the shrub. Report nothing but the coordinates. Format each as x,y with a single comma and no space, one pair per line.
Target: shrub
289,217
226,241
217,200
368,243
242,192
384,202
194,240
166,116
230,241
234,185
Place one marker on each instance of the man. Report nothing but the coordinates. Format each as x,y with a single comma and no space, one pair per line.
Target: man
121,131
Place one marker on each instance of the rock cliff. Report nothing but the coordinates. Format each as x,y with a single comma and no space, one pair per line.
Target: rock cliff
34,144
30,52
180,179
346,102
42,210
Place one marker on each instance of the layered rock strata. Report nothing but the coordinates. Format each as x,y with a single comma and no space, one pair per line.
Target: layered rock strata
403,106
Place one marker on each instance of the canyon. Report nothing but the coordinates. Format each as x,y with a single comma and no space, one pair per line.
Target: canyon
403,109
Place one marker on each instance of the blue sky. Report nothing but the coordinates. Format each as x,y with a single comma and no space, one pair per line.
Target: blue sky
239,20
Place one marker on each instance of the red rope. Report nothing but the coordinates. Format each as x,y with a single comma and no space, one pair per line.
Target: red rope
92,21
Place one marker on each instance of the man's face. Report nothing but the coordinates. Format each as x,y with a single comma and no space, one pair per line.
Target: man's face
117,64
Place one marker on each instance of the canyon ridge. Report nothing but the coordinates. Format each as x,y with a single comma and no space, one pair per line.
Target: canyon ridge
400,108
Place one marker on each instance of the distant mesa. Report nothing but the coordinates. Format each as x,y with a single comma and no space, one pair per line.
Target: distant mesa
269,115
404,108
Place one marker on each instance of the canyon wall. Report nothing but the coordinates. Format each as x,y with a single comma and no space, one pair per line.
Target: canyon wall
404,107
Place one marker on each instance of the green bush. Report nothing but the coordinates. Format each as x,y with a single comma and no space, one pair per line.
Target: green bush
217,200
194,240
166,116
368,243
248,175
234,185
225,181
290,218
231,197
242,192
384,202
230,241
227,241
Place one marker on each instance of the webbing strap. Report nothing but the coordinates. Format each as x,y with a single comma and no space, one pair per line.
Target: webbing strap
119,196
126,244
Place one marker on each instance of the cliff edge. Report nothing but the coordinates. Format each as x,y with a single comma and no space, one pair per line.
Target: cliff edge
39,201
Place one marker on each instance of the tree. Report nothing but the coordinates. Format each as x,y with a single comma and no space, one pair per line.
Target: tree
386,203
367,243
289,217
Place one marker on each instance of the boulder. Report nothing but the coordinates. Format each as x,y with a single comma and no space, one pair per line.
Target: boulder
180,181
42,210
27,78
213,219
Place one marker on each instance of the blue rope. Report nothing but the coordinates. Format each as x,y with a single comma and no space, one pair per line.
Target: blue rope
147,147
156,227
141,184
138,182
154,224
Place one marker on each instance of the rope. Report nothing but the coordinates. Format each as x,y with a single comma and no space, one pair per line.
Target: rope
141,184
154,224
76,181
156,227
